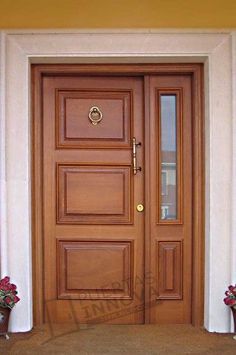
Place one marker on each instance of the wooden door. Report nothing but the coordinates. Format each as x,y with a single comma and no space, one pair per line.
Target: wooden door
171,200
93,234
97,257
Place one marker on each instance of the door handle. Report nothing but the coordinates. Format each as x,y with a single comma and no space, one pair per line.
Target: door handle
135,145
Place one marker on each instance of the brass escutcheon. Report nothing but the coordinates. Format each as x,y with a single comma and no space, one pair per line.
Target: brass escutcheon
140,207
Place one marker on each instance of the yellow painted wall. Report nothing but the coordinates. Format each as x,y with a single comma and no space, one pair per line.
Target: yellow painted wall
117,13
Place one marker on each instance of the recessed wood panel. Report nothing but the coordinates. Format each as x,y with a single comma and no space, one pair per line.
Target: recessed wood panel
169,261
94,269
75,129
94,194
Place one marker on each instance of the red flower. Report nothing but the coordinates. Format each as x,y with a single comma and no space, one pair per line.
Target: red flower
226,300
232,289
5,281
8,293
229,301
16,299
8,300
12,287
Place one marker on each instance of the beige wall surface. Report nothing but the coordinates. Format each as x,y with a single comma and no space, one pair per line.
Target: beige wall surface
117,14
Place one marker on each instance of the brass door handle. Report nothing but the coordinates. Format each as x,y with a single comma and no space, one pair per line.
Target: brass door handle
135,145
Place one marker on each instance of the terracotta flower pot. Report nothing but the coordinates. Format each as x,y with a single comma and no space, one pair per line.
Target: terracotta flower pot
233,309
4,319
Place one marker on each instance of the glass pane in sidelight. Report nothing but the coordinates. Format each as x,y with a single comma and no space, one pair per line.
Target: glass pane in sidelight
168,181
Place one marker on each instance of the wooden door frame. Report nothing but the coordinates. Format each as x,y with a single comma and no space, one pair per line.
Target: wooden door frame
144,70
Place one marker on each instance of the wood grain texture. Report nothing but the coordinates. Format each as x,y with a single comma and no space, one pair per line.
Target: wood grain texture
83,187
110,278
94,194
75,130
169,270
138,80
173,307
198,196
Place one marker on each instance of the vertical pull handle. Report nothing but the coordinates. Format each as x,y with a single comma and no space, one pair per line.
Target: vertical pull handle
135,145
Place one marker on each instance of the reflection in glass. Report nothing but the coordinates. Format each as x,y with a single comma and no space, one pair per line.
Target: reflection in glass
168,158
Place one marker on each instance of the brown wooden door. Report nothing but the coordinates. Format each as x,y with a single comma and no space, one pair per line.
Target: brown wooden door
171,200
102,259
93,235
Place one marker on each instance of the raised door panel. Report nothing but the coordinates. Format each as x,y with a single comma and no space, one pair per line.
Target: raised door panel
95,269
93,118
94,194
169,270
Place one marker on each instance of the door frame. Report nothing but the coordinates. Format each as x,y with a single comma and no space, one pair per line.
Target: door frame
144,70
215,48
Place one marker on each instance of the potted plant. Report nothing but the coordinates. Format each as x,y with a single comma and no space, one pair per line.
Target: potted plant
230,300
8,299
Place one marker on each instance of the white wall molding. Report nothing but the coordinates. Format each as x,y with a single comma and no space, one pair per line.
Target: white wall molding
20,48
233,225
3,202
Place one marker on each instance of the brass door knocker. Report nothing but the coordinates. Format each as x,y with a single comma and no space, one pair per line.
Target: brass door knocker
95,115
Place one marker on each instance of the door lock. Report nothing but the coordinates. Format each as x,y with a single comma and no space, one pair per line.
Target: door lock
140,207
